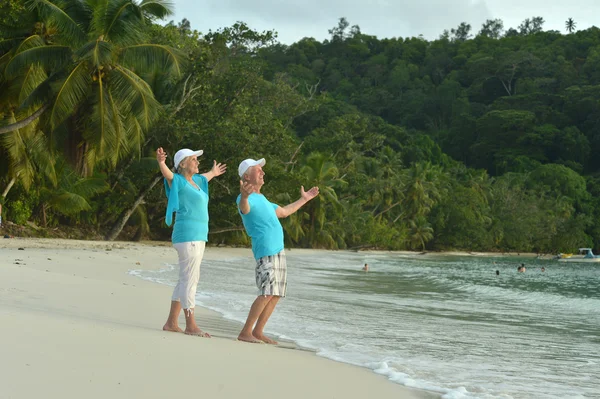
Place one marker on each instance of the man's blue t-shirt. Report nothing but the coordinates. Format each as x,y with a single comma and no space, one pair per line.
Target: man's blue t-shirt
191,206
262,225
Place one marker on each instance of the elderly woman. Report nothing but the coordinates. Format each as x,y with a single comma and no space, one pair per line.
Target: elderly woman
187,193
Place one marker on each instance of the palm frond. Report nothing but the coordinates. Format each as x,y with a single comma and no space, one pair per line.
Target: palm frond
100,132
49,57
117,11
41,155
88,187
135,134
17,89
152,57
68,20
120,142
9,43
68,204
42,94
15,145
123,23
131,91
21,29
32,79
157,8
70,94
29,155
99,16
30,42
3,61
99,52
90,159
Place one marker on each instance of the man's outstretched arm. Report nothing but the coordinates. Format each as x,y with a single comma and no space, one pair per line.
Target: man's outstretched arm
305,196
245,189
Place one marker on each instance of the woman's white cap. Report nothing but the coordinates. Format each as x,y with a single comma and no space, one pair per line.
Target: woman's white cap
184,153
248,163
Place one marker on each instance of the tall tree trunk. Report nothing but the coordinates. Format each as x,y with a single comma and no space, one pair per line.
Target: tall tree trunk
8,187
21,124
120,223
44,218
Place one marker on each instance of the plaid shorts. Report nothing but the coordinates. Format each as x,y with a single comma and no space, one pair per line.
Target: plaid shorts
271,275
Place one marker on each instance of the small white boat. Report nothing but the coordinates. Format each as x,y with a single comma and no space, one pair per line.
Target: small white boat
585,256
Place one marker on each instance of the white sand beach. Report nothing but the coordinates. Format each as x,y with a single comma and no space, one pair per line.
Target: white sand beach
76,324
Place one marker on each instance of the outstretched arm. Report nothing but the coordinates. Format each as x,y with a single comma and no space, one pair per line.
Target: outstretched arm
245,189
161,157
217,170
305,196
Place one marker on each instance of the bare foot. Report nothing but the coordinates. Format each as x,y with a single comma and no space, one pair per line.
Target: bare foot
249,338
197,332
167,327
265,339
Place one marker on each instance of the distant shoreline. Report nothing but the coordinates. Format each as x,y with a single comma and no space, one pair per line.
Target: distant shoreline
35,242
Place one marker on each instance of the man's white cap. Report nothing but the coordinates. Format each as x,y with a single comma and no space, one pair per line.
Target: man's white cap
248,163
184,153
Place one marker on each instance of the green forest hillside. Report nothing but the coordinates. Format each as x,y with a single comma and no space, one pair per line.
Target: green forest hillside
477,141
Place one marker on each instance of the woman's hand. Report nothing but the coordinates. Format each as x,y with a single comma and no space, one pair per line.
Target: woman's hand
218,168
161,155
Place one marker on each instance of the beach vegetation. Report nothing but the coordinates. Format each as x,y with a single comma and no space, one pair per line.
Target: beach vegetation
483,139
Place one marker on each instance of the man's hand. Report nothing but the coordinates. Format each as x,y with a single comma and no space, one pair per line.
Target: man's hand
218,168
310,194
246,189
305,196
161,155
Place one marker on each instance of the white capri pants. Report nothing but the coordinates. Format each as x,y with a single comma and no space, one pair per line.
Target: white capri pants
190,256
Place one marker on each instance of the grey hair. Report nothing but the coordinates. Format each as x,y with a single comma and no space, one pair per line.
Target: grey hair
246,173
179,168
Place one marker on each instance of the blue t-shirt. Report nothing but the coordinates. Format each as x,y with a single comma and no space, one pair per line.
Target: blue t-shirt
191,206
262,225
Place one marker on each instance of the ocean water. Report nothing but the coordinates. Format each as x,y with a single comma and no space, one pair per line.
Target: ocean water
441,323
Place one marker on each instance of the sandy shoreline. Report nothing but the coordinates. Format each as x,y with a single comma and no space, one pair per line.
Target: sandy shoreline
77,324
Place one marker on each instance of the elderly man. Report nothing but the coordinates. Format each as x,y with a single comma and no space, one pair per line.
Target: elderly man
260,219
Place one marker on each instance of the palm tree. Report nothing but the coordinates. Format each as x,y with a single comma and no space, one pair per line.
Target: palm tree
570,25
420,232
82,69
29,155
320,170
425,186
389,185
72,194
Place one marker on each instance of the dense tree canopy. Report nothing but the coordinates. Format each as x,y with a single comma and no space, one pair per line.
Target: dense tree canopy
483,139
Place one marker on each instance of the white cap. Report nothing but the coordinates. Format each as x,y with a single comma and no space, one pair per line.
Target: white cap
184,153
248,163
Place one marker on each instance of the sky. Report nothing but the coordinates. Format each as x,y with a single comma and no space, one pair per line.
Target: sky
296,19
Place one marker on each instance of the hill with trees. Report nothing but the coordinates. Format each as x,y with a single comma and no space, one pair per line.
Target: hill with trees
476,141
